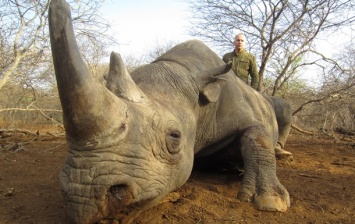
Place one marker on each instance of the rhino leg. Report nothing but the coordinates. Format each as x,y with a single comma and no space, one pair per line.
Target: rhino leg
260,183
283,113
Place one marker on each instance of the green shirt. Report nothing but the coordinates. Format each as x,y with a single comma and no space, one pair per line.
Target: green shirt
243,65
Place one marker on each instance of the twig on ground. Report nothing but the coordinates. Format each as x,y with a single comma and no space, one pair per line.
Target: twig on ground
341,164
301,130
307,175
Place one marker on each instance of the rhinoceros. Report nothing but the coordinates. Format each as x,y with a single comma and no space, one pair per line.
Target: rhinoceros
134,140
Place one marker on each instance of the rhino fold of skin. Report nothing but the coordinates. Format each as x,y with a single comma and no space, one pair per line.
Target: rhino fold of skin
134,140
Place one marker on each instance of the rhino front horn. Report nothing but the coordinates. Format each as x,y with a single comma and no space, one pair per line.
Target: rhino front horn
88,106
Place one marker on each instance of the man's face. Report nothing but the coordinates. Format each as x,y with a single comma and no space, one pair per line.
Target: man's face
239,42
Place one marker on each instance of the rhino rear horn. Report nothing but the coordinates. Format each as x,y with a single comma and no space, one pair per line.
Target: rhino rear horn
120,82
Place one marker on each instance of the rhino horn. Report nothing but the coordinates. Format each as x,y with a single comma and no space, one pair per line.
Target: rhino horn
120,82
88,106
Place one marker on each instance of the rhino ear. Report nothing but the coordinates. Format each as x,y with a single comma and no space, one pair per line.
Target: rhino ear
214,86
212,90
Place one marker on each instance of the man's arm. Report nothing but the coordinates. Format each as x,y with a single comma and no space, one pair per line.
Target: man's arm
254,74
226,58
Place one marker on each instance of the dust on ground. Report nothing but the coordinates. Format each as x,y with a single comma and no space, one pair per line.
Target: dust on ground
320,180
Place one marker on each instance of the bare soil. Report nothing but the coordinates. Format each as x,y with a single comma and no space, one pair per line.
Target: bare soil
320,180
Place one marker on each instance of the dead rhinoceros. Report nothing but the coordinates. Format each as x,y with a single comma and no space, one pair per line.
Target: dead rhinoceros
134,141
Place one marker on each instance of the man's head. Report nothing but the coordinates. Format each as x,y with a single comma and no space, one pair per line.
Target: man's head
239,42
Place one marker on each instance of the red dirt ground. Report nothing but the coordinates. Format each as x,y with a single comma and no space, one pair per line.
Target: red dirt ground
320,180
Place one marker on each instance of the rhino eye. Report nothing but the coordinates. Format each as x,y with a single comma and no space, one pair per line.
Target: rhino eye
175,134
173,141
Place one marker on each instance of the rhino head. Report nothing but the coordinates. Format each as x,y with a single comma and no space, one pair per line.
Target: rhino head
126,151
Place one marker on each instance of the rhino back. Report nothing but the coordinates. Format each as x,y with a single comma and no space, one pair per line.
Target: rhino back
175,79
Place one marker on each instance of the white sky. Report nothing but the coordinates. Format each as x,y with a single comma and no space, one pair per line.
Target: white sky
139,25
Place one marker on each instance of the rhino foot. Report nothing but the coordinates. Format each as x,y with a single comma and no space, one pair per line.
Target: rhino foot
271,203
283,154
244,197
272,197
275,202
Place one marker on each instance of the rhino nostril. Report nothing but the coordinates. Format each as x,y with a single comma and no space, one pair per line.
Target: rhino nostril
117,189
119,195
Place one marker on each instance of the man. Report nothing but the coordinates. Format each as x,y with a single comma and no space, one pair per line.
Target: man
243,62
243,65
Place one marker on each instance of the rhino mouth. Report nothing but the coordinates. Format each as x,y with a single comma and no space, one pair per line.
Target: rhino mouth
118,198
120,206
97,190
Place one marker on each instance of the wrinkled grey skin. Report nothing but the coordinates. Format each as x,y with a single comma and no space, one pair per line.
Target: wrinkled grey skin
133,141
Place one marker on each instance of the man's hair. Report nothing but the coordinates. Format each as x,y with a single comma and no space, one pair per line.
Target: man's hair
241,34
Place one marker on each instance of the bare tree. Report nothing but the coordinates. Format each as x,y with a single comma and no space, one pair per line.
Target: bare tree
282,33
24,36
132,61
26,73
331,108
159,49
